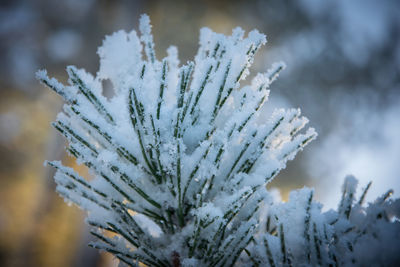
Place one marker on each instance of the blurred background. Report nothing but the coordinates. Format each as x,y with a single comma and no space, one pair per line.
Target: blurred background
343,61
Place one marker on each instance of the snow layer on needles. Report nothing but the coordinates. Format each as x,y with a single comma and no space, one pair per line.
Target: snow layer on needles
183,147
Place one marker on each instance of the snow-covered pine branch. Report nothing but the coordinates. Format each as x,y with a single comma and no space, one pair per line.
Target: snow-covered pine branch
298,233
179,158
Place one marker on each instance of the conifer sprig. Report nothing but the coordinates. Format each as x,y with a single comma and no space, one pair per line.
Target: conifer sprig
180,158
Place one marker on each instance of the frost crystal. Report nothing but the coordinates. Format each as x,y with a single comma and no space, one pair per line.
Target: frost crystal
179,157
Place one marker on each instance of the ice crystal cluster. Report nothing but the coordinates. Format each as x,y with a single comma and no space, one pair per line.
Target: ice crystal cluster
180,159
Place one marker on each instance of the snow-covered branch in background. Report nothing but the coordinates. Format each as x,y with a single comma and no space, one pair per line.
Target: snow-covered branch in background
298,233
180,160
